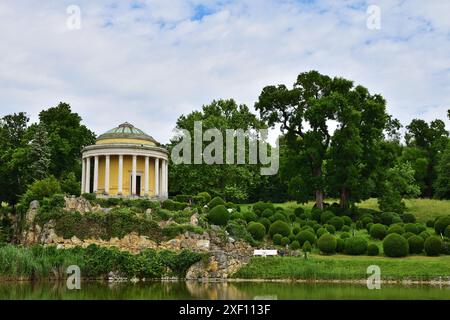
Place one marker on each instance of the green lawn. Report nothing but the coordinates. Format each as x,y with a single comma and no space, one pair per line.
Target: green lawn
423,209
343,267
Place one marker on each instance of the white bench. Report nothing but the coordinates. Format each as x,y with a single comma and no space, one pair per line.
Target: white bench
265,253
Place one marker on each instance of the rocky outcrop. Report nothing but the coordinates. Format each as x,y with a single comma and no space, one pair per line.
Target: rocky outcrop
81,205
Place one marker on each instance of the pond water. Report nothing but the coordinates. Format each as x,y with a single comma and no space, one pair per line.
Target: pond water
217,291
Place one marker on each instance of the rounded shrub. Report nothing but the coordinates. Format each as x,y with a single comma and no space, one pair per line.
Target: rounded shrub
265,222
306,235
408,235
260,206
299,212
330,228
433,246
277,239
295,230
340,245
267,213
346,228
359,225
315,214
280,227
416,244
425,235
278,216
378,231
411,227
257,230
394,245
373,250
295,245
219,215
441,224
355,246
326,215
317,227
285,241
369,225
320,232
408,218
216,201
366,220
430,223
347,220
250,216
386,218
396,228
345,235
445,249
205,195
327,243
420,228
447,231
336,222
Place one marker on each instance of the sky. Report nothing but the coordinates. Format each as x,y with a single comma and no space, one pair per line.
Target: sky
148,62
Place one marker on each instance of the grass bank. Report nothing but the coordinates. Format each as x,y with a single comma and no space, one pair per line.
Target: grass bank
341,267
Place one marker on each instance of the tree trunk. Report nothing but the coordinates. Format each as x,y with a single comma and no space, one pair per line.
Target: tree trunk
344,198
319,199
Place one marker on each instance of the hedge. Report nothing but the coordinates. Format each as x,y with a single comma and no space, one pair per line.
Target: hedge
306,235
416,244
257,230
378,231
173,205
355,246
327,243
433,246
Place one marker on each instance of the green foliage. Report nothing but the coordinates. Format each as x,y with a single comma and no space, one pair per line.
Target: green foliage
320,232
250,216
387,218
355,246
441,224
38,262
266,222
336,222
216,201
295,245
173,205
407,235
416,244
394,245
447,231
306,236
411,227
238,231
206,196
175,229
316,214
373,250
396,228
277,239
378,231
279,227
257,230
89,196
40,189
299,211
326,216
70,185
424,235
285,241
346,229
433,246
330,228
260,207
327,243
408,218
347,220
218,215
399,183
442,183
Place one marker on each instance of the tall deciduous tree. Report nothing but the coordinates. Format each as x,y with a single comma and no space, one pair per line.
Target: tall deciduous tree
442,183
67,138
39,154
302,112
431,139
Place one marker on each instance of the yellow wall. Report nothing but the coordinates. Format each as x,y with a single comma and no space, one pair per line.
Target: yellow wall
127,170
132,141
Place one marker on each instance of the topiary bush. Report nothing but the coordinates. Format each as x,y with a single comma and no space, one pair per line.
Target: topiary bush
430,223
285,241
411,227
250,216
433,246
408,218
295,245
420,228
266,222
315,214
416,244
320,232
447,231
327,244
345,235
340,245
408,235
278,216
218,215
299,212
205,195
396,228
306,235
347,220
346,228
394,245
267,213
425,235
373,250
325,216
260,206
330,228
441,224
257,230
277,239
280,227
355,246
378,231
173,205
387,218
295,230
216,201
336,222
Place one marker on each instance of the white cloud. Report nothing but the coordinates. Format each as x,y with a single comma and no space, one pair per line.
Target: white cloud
149,61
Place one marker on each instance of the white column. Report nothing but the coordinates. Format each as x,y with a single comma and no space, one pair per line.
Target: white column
88,176
166,184
107,165
146,179
95,174
120,182
133,177
156,177
83,175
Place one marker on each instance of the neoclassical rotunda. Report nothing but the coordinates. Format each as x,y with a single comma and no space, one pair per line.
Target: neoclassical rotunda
125,162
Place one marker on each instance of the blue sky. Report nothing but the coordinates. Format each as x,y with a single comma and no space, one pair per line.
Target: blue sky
147,62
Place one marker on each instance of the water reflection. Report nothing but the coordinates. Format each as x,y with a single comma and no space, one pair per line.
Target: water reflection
215,291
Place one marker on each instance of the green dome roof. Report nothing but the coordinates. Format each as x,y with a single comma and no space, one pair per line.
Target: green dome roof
126,131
